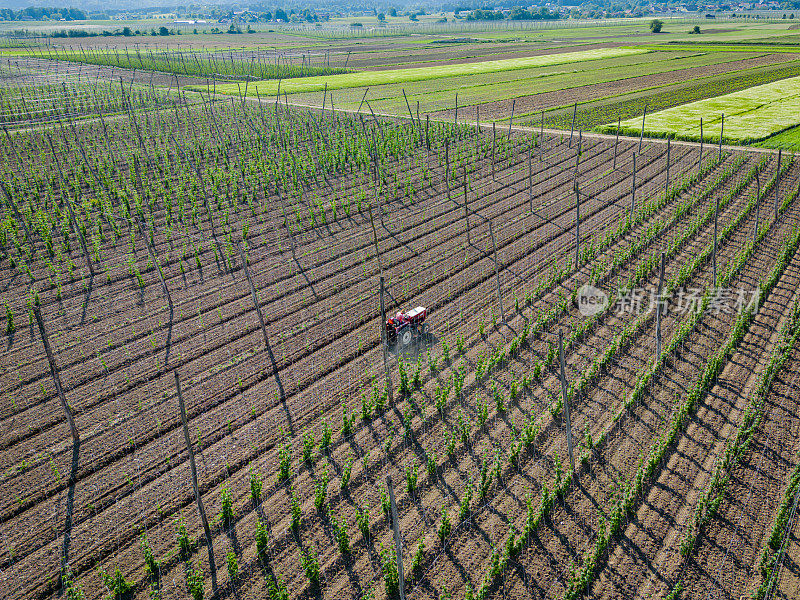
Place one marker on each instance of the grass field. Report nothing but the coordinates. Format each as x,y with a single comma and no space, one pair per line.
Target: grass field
751,115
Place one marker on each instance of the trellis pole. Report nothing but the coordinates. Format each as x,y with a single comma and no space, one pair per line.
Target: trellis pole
384,343
641,133
700,160
616,142
398,542
572,127
633,187
777,181
721,133
565,398
511,120
658,308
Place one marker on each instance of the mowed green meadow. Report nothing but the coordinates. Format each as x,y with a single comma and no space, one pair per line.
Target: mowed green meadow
750,115
381,77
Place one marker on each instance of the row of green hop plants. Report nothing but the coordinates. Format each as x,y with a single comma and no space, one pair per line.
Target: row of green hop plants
652,461
534,328
499,560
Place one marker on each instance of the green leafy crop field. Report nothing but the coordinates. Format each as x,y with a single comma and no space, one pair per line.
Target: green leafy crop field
751,115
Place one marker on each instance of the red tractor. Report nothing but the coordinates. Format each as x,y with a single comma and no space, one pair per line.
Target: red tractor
403,328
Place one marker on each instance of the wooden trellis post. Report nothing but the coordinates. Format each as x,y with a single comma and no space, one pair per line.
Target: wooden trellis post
572,126
633,187
54,371
398,542
511,120
497,273
616,142
384,343
641,133
565,398
758,195
777,181
658,308
700,160
410,114
541,139
721,133
666,185
716,227
455,116
198,498
477,120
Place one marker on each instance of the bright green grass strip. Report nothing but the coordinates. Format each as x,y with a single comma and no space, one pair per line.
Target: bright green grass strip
788,140
750,115
721,47
371,78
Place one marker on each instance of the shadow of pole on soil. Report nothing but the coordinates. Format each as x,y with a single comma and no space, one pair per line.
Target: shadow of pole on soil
70,506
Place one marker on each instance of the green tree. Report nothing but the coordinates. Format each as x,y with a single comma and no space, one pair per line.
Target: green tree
656,25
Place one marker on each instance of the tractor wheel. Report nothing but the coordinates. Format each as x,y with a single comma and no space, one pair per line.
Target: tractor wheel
404,337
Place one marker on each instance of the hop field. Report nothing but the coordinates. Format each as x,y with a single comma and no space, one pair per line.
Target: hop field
199,401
